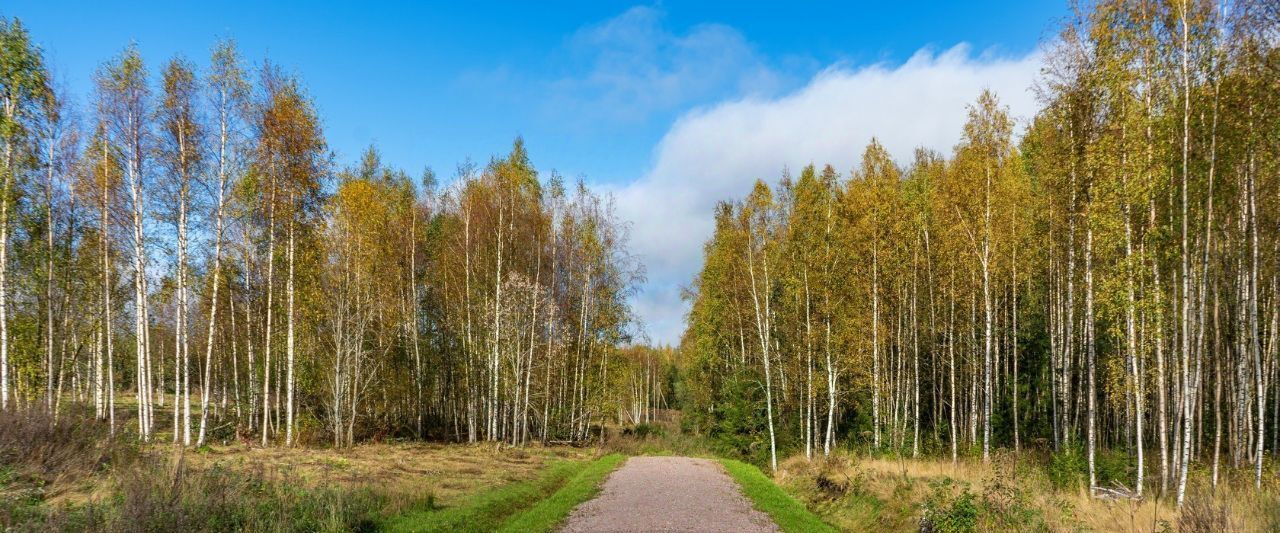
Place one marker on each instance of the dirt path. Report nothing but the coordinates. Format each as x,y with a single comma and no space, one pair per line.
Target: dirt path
669,494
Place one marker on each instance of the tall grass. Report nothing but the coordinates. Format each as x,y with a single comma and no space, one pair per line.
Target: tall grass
37,449
63,476
160,498
1032,491
42,459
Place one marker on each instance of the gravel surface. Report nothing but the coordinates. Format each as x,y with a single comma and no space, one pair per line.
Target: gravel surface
669,494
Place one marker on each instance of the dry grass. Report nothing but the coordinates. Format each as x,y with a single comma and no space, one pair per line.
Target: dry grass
57,462
71,475
69,460
449,472
892,494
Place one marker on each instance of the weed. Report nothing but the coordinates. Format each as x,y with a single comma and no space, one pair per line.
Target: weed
949,508
1202,514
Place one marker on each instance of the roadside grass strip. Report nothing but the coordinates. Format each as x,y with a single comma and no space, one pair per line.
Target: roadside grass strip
493,508
549,513
765,496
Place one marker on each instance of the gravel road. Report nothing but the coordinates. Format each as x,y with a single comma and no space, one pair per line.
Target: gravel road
669,494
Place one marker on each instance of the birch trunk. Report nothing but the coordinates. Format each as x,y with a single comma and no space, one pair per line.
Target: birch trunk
217,272
10,111
289,381
266,339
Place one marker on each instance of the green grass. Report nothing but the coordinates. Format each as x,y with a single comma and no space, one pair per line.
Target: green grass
540,497
548,513
789,514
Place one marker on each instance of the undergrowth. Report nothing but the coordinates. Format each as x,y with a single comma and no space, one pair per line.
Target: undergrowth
57,475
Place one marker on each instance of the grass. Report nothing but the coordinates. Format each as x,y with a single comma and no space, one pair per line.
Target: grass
662,437
1010,493
449,473
160,497
765,496
44,463
536,502
548,513
70,475
666,437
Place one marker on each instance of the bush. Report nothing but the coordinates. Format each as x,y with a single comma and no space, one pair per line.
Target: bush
1112,467
740,427
1005,506
644,430
1066,469
1201,514
946,511
312,431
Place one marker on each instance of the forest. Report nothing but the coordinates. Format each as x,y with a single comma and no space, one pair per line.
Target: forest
1090,294
1099,281
182,255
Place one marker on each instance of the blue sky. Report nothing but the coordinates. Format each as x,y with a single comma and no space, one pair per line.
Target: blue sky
670,106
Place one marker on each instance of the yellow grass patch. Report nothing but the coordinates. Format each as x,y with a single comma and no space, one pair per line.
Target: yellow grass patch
886,494
448,471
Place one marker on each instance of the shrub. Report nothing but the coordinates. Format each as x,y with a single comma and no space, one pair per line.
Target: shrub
644,430
1201,514
1066,469
949,511
1112,467
1005,505
740,426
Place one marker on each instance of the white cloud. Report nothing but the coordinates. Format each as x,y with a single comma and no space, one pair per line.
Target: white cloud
715,153
632,66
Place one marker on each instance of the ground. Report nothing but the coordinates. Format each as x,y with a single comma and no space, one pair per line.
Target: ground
669,494
448,472
76,477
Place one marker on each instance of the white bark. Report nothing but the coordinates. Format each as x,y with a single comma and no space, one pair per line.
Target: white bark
289,381
10,109
763,315
1185,330
875,342
266,339
223,123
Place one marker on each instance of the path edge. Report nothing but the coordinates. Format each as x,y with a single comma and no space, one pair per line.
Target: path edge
765,496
